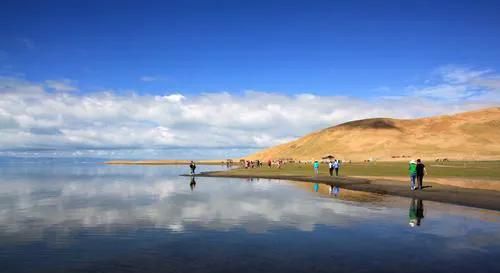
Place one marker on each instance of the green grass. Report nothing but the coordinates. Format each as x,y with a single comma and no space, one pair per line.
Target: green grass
469,169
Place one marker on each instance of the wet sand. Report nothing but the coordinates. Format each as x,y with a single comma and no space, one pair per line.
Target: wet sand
480,198
470,183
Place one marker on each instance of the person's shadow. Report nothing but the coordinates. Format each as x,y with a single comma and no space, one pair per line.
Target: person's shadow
192,185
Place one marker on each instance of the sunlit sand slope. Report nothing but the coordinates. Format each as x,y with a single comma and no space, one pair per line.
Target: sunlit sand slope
471,135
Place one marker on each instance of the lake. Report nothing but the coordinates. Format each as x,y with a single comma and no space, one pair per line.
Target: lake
81,216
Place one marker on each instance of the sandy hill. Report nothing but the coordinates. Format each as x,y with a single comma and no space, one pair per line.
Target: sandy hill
471,135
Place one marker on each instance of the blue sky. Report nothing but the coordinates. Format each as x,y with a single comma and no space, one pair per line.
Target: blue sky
352,47
255,52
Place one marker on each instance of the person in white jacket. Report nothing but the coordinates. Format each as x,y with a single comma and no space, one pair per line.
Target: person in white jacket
336,166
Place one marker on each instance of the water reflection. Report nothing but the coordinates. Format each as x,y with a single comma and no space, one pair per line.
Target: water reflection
133,217
334,190
30,204
30,207
347,195
192,184
416,212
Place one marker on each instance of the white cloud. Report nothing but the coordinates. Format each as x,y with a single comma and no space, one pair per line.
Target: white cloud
171,98
64,85
16,85
459,83
31,116
152,78
459,75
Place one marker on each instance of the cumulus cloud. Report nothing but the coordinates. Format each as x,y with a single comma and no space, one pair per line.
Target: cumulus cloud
34,117
458,83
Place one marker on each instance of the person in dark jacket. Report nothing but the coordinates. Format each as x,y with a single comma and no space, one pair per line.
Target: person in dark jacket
192,166
421,171
330,168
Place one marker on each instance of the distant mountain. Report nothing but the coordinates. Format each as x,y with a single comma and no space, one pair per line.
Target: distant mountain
473,135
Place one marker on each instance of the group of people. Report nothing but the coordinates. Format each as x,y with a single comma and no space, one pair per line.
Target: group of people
252,164
333,166
275,163
417,171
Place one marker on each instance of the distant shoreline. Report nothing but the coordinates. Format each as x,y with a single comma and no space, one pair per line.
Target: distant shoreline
164,162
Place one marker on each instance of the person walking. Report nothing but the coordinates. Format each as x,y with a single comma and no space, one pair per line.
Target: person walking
316,167
192,166
330,168
336,166
412,170
421,171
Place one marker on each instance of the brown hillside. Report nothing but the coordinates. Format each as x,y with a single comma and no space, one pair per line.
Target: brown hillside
471,135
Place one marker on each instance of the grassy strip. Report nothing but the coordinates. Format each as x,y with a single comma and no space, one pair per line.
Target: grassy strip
457,169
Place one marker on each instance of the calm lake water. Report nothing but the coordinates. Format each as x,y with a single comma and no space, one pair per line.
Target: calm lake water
80,216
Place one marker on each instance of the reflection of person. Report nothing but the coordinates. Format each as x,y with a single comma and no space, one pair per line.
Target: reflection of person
316,187
420,211
192,166
416,212
192,185
412,170
421,171
412,213
334,190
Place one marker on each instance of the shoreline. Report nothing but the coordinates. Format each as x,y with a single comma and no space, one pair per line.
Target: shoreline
485,199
